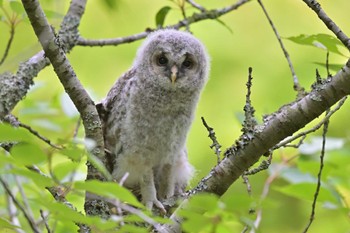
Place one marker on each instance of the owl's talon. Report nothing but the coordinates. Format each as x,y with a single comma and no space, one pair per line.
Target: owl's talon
156,203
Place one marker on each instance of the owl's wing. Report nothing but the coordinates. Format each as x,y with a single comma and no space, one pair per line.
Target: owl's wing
112,113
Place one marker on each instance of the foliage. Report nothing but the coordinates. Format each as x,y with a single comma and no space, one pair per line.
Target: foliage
275,200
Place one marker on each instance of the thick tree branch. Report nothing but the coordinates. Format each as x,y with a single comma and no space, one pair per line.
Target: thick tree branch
281,124
13,87
210,14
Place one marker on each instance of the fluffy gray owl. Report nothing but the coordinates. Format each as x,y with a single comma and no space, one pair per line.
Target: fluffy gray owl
148,113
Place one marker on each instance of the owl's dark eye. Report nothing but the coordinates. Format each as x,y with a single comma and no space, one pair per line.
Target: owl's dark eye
187,63
162,60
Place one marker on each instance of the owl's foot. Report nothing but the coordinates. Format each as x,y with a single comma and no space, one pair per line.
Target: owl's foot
150,203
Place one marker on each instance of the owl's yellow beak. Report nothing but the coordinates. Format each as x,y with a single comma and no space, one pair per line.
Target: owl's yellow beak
174,71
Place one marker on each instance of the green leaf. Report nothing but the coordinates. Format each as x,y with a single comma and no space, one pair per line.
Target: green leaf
1,2
17,7
39,180
109,190
203,202
133,229
9,133
97,163
63,170
194,222
333,67
161,14
306,191
295,176
314,146
323,41
5,224
225,25
73,152
28,154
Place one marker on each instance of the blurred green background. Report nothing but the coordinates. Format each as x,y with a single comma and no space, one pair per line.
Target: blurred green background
250,42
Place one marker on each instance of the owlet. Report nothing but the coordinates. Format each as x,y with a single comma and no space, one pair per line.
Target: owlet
148,113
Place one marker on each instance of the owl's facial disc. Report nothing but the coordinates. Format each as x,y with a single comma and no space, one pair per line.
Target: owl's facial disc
174,71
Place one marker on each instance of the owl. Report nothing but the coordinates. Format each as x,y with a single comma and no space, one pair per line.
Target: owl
148,113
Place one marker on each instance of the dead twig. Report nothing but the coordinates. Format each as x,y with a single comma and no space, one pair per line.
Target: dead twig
212,136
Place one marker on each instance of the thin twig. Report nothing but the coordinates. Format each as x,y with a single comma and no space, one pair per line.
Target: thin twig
313,129
247,183
23,195
27,216
209,14
296,85
9,42
331,25
45,221
181,5
13,214
196,5
13,120
212,136
265,164
319,175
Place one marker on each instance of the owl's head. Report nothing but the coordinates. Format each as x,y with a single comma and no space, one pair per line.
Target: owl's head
173,59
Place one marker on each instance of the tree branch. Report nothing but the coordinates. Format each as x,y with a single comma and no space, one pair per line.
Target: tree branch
13,87
316,7
9,42
210,14
71,84
296,85
281,124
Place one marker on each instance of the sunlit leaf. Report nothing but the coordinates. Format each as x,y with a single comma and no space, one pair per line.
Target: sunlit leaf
109,190
321,40
47,124
97,163
203,202
73,152
132,229
306,191
161,14
295,176
193,222
334,67
9,133
65,169
5,224
225,25
315,145
28,154
313,166
39,180
238,202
